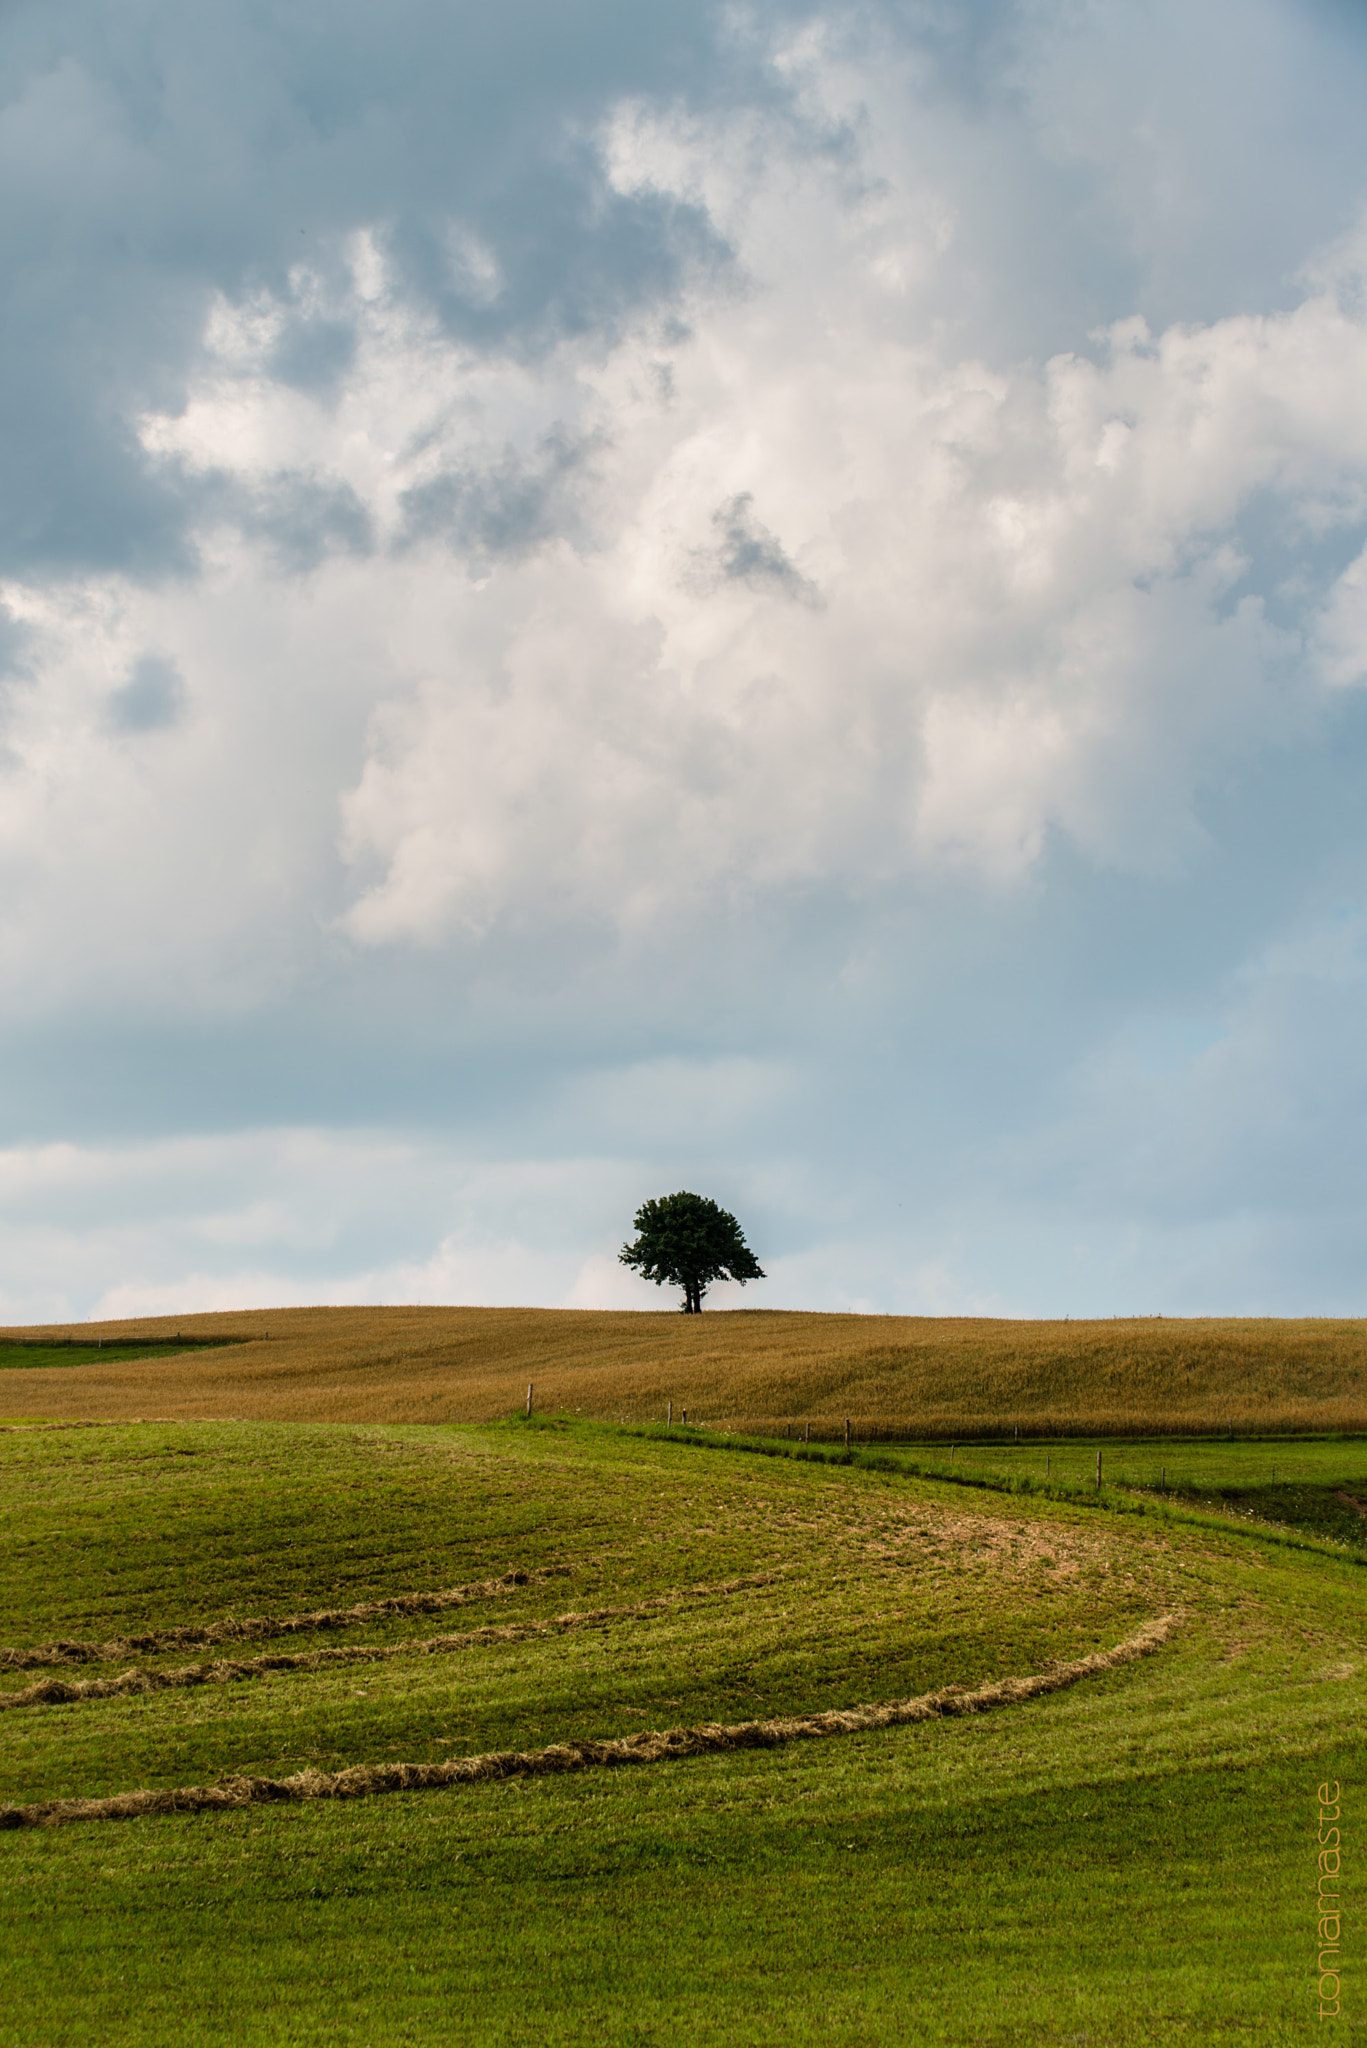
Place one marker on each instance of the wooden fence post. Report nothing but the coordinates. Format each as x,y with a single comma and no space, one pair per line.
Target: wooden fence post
529,1397
807,1434
847,1432
685,1417
1098,1471
670,1422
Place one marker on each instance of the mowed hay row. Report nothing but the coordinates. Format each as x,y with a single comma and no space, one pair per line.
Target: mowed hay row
642,1747
60,1692
918,1376
261,1627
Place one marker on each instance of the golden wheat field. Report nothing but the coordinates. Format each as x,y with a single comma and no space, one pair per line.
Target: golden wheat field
762,1370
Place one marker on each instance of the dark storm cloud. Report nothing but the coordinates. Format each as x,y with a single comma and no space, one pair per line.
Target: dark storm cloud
152,156
302,519
313,354
152,698
747,552
508,509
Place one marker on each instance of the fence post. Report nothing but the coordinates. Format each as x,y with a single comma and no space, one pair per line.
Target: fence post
847,1432
685,1418
670,1422
807,1434
529,1397
1098,1471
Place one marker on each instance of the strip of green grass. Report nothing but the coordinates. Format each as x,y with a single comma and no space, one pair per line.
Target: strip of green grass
1133,1859
17,1355
1314,1488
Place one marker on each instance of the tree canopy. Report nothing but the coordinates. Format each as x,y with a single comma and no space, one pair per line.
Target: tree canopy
688,1241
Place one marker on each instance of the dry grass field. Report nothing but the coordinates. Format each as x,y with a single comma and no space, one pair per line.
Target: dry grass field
921,1377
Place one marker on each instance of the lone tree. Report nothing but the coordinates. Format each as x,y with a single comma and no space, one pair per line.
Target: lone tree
687,1241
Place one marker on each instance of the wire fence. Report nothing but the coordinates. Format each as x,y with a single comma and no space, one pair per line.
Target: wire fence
1178,1462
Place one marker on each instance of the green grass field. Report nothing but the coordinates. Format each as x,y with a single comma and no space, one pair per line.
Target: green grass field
1130,1859
18,1355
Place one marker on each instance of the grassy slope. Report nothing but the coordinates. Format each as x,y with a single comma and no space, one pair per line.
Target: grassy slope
923,1375
1315,1487
1129,1860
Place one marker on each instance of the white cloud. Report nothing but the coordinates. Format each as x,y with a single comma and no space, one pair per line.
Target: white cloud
293,1216
1342,630
1028,615
648,685
1028,620
290,1217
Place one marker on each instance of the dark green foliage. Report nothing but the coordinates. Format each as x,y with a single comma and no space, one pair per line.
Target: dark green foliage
16,1354
688,1241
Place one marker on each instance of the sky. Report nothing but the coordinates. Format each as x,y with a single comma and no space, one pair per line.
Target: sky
599,599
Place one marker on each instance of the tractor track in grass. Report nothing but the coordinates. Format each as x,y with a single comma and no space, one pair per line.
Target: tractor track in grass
57,1692
659,1746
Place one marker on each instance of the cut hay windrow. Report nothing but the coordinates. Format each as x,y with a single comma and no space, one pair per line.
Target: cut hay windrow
261,1628
61,1692
647,1747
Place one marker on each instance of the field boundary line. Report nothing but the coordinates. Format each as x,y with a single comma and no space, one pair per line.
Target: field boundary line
61,1692
36,1428
1114,1498
261,1628
646,1747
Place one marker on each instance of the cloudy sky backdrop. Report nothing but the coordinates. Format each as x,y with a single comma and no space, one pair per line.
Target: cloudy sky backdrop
597,598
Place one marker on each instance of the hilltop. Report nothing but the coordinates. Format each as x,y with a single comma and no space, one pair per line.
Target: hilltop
914,1375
